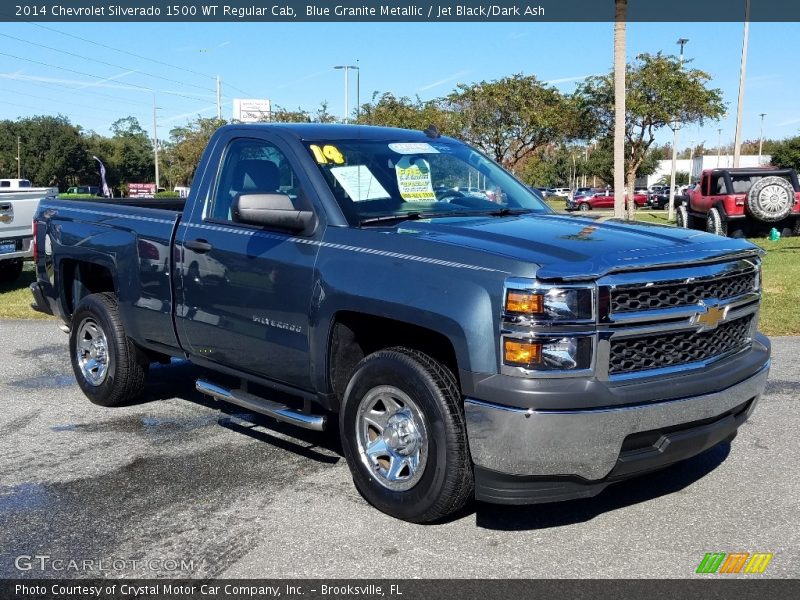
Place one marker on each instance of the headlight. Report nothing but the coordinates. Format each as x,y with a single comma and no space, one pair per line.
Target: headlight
550,354
551,303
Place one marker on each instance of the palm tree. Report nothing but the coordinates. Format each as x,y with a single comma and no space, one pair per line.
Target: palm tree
620,14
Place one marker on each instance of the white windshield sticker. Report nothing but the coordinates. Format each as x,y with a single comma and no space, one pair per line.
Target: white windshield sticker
414,180
413,148
359,183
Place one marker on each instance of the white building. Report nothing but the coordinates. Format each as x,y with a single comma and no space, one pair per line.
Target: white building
698,164
725,161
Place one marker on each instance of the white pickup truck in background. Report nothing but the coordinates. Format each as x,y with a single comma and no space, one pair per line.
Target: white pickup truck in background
18,203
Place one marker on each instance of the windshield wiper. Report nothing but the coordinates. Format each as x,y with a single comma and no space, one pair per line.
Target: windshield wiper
415,216
410,216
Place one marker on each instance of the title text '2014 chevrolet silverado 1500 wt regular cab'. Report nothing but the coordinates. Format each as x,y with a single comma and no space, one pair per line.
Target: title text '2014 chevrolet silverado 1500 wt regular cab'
471,341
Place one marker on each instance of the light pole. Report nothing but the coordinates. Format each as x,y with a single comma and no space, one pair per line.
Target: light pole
19,160
761,138
346,68
155,140
681,42
737,143
719,145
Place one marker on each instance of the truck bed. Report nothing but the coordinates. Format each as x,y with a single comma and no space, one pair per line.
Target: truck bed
173,204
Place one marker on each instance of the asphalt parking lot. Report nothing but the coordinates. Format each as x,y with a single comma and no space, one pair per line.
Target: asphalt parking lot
174,486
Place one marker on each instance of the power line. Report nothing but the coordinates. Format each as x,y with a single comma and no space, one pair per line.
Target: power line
102,62
61,88
59,101
153,60
139,56
132,85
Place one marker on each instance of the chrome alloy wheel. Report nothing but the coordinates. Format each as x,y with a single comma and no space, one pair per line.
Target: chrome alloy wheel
392,438
92,352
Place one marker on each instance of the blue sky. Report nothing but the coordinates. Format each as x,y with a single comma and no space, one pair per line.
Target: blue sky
291,64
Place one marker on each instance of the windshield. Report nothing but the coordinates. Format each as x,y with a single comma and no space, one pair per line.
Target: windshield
381,180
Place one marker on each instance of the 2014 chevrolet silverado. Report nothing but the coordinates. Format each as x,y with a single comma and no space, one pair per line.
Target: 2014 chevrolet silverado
472,342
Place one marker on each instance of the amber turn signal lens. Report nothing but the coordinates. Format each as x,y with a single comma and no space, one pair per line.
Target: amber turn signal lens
521,353
523,302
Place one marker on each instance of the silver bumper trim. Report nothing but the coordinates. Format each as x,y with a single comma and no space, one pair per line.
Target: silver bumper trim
585,443
24,253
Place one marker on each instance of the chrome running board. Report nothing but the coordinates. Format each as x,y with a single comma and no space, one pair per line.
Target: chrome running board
276,410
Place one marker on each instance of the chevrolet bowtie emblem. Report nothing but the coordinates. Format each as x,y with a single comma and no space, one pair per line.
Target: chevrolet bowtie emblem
711,317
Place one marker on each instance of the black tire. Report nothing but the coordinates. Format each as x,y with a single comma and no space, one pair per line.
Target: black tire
10,270
444,482
770,199
796,228
584,207
715,224
682,217
119,373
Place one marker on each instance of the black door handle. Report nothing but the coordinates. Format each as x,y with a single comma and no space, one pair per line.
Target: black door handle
199,246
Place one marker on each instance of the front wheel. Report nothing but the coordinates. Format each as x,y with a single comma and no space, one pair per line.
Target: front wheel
107,366
584,207
404,436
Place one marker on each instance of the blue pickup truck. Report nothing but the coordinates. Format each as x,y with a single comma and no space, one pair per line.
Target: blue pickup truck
469,341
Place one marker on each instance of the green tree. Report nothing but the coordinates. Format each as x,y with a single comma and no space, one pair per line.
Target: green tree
131,152
658,92
512,117
52,151
390,111
601,162
786,153
186,145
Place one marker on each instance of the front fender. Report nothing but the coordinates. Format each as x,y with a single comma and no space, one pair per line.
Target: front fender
461,304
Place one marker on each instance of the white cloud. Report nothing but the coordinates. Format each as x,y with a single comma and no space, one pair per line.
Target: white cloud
448,79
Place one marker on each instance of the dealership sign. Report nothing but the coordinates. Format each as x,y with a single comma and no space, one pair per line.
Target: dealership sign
251,110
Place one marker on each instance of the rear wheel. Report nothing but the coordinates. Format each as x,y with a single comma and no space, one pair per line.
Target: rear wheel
404,436
107,366
715,224
10,270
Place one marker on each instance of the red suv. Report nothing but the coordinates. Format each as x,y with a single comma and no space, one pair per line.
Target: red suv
742,202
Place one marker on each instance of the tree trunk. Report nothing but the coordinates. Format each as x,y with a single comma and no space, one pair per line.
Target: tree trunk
620,14
631,213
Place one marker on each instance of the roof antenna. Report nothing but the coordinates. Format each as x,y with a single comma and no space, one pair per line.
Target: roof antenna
432,131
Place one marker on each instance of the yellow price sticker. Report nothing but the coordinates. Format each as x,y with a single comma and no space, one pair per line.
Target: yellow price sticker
327,153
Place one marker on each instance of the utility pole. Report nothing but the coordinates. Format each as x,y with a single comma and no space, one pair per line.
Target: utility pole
737,143
19,160
155,140
219,98
719,146
761,138
671,209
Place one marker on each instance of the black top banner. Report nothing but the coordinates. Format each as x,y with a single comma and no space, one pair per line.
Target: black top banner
396,11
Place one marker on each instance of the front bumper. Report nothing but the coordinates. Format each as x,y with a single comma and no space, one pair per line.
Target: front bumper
529,455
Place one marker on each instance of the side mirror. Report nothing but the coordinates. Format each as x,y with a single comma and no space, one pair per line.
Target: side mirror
271,210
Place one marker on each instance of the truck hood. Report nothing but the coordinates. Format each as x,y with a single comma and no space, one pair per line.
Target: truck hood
574,248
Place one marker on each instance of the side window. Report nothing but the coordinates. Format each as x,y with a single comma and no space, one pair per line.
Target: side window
718,185
705,191
5,184
251,166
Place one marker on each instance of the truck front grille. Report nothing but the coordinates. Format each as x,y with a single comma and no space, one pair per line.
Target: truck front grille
635,354
637,297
